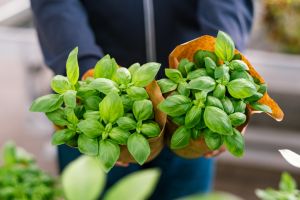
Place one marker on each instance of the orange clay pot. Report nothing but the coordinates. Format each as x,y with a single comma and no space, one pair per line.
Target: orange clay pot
198,148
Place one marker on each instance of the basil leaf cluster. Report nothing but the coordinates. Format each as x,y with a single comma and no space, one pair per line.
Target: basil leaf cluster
99,114
207,97
21,178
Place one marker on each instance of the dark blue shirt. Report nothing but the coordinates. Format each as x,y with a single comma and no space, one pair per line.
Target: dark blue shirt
116,27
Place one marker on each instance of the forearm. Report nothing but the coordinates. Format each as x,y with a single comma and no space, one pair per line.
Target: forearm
61,26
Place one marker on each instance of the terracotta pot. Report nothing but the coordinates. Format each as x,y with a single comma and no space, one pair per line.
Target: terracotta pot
198,148
157,143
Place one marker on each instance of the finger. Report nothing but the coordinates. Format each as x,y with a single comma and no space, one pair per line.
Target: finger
214,153
122,164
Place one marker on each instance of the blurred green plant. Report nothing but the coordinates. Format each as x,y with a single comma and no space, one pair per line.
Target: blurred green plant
90,184
287,190
287,186
20,177
282,21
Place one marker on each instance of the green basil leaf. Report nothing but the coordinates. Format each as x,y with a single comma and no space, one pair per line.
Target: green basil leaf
235,143
201,124
239,65
126,123
59,137
72,66
181,66
180,138
79,110
222,74
196,133
201,54
261,107
173,74
237,119
139,148
183,89
70,98
205,83
129,184
86,91
87,145
9,153
219,91
213,140
111,107
91,128
166,85
60,84
145,74
137,93
227,105
175,105
73,141
142,109
237,57
213,101
109,153
130,115
57,117
62,136
47,103
217,120
287,183
193,117
91,115
224,46
189,67
180,120
104,85
241,88
239,106
201,96
122,76
257,96
119,135
132,69
92,103
127,102
210,66
196,74
83,179
262,88
71,116
105,68
241,74
151,129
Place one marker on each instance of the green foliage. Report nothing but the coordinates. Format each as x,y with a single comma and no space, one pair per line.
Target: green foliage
135,186
83,179
224,47
287,190
217,120
20,177
139,147
99,114
208,96
72,67
180,138
145,74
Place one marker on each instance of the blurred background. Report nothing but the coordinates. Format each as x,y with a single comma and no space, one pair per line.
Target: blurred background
274,50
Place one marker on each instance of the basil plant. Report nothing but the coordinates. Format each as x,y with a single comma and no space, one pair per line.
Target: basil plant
21,178
208,97
99,114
